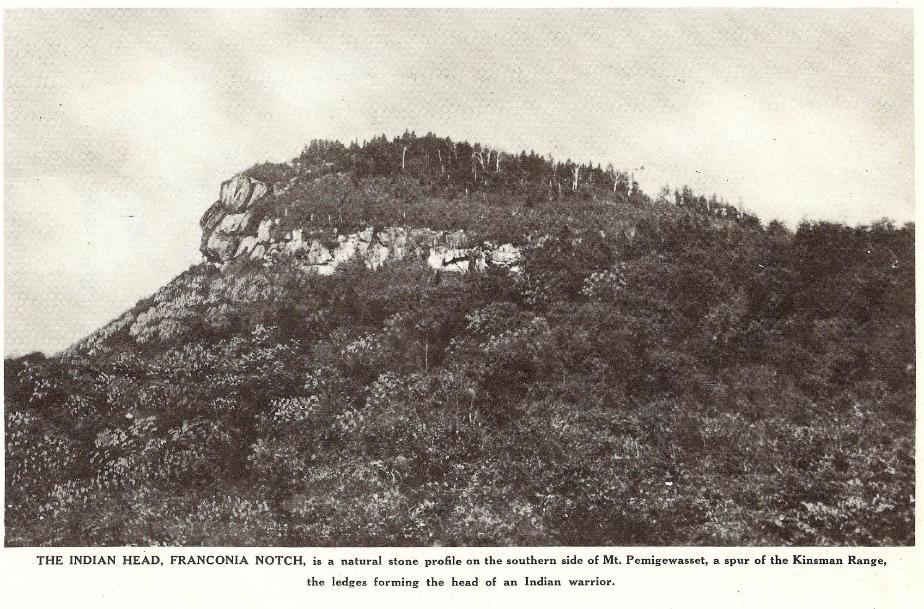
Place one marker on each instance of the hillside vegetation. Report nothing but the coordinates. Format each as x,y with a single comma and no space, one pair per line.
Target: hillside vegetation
656,370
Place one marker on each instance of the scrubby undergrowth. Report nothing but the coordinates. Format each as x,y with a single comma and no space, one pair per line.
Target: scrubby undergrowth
655,374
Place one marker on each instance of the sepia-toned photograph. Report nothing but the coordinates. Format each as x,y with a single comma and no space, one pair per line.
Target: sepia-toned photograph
368,278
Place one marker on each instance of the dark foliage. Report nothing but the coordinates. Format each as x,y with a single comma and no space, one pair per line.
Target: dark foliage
657,372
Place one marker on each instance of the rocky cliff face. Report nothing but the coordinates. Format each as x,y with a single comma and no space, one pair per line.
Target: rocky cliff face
230,229
229,216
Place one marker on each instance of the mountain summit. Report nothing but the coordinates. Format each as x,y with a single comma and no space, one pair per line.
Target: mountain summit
417,341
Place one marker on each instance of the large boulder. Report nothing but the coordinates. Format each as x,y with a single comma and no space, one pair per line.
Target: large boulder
240,193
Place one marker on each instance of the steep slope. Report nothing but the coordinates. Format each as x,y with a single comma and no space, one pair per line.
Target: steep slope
417,342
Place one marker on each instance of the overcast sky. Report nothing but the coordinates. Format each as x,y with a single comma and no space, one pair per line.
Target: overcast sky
120,125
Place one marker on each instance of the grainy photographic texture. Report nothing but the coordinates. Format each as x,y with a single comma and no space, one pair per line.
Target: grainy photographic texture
412,278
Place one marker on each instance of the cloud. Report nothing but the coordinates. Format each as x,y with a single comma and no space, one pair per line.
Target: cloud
120,125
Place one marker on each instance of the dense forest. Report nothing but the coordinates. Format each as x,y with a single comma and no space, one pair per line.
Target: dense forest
658,370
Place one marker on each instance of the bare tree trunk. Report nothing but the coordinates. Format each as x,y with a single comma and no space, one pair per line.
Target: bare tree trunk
403,152
480,157
576,171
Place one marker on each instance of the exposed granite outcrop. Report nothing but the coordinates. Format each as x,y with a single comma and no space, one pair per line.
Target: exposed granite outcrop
229,217
230,230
